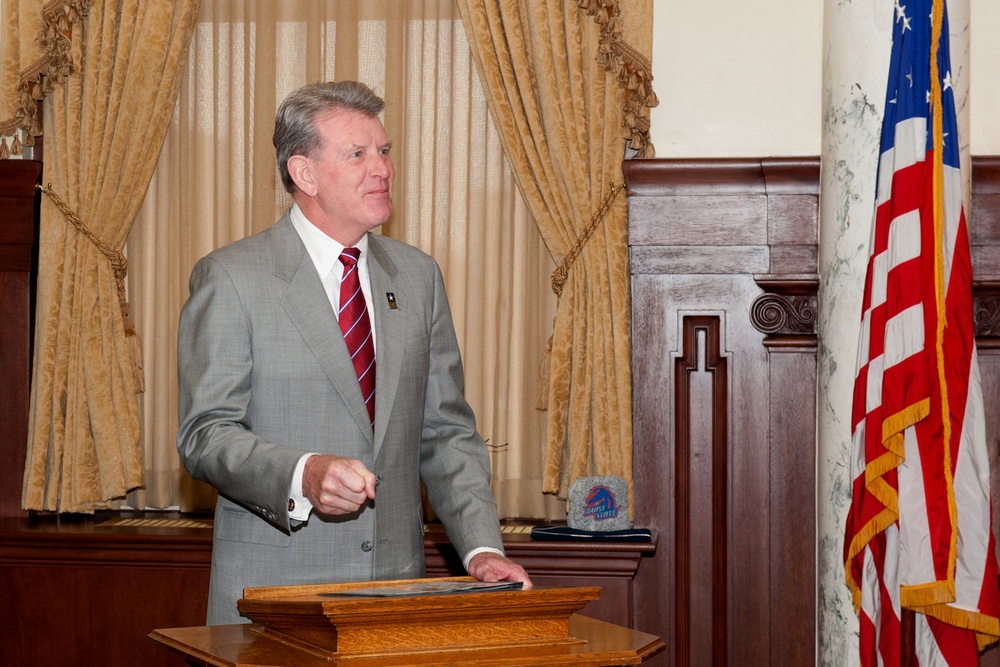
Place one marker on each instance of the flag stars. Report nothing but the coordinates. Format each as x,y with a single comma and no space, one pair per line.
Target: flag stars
901,16
946,81
909,77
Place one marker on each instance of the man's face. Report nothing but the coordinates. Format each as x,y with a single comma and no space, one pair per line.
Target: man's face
349,187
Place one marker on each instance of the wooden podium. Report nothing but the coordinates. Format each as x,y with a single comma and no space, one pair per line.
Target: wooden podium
378,624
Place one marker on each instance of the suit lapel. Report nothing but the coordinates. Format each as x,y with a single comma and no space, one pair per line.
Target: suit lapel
389,322
307,306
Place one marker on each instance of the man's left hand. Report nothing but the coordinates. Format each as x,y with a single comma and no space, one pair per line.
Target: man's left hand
489,566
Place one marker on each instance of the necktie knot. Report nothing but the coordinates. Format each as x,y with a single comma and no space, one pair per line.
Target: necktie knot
349,257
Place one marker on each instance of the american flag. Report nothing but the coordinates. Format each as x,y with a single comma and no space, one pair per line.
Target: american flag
919,532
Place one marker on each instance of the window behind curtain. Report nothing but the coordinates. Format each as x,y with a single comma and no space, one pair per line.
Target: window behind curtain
454,197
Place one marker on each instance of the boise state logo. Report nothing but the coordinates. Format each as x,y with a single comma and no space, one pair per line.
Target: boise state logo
601,504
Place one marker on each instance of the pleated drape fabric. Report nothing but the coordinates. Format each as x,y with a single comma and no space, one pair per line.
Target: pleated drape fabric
104,126
567,97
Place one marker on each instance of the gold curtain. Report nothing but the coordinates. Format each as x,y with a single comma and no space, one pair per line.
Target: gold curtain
104,127
569,85
454,197
35,41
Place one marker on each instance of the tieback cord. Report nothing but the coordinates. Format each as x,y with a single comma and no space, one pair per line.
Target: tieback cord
119,264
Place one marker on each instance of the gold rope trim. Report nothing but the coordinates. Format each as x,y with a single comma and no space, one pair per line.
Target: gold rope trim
559,278
58,19
881,490
633,70
937,124
561,274
120,267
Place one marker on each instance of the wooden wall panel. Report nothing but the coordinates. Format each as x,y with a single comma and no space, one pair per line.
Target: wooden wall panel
984,232
18,233
791,503
724,285
731,245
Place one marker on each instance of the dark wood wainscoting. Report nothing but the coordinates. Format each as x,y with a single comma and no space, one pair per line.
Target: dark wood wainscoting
18,261
725,282
89,594
86,595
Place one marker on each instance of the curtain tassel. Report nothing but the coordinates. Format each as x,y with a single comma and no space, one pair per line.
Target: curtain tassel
134,344
544,377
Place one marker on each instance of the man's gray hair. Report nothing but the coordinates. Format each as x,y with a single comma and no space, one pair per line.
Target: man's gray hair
295,123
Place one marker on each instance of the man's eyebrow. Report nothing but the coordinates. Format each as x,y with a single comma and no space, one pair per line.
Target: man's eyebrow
360,147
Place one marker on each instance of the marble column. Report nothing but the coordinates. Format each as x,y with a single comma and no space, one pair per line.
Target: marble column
856,46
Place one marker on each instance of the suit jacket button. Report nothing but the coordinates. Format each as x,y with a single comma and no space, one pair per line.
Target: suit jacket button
366,546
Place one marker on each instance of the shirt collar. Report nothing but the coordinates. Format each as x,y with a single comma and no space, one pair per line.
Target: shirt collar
324,251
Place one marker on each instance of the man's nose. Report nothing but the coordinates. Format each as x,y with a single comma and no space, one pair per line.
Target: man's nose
381,167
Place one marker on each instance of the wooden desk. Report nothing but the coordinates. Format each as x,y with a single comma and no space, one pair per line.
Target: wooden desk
242,646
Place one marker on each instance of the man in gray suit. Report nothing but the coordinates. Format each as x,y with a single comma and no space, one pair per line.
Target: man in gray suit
315,484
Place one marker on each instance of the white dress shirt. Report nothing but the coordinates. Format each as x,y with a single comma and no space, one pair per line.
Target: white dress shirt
325,254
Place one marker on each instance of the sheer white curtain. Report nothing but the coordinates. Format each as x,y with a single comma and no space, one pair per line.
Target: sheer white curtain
454,197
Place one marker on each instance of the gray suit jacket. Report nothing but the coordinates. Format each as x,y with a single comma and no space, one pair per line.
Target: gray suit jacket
265,377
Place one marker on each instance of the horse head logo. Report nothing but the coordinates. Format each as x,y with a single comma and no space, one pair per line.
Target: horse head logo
601,504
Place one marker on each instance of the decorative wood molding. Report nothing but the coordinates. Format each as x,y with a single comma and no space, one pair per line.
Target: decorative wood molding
701,354
787,312
987,315
984,238
773,204
776,314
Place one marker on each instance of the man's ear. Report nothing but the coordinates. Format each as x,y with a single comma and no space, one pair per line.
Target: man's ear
300,169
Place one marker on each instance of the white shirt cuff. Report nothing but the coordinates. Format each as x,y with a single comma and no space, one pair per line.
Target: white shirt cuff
468,556
299,507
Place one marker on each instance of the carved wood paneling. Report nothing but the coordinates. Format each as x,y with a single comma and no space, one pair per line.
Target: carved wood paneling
735,242
702,480
984,239
987,313
776,314
724,285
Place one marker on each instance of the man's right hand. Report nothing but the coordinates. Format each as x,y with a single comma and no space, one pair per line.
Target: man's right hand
335,485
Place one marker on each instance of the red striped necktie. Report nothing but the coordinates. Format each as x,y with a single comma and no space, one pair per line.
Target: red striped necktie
357,328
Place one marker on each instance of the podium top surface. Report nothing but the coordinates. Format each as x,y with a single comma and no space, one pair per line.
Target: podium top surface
365,602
